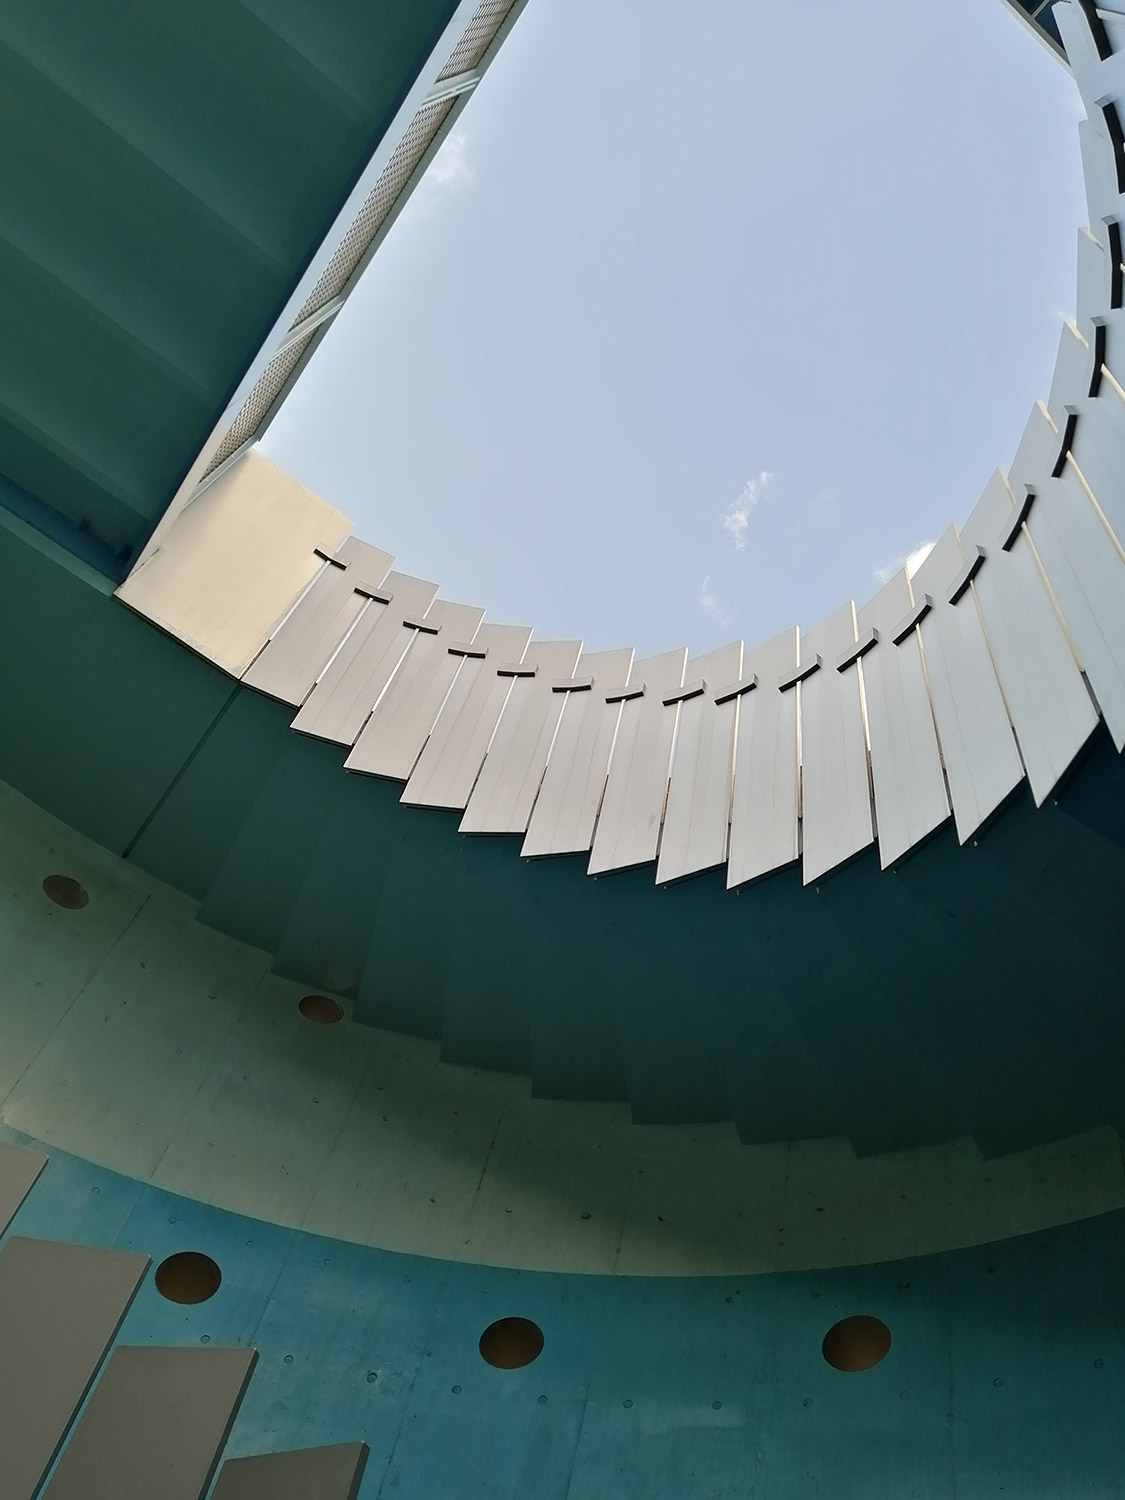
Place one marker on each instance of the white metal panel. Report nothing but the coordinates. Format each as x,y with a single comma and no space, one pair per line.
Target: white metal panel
1047,700
230,566
979,749
571,795
1070,382
392,739
1035,456
1092,292
1099,82
1099,173
1114,350
345,693
628,831
910,794
1087,577
836,820
458,743
1099,453
763,829
697,818
1097,79
288,665
508,784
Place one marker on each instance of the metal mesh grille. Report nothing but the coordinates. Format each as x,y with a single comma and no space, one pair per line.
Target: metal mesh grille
258,403
393,178
478,34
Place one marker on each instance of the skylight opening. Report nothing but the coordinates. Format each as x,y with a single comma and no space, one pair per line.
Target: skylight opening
689,334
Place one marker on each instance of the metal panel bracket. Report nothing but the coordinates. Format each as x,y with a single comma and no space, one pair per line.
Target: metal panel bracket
861,648
966,575
798,674
689,690
905,626
1015,525
736,689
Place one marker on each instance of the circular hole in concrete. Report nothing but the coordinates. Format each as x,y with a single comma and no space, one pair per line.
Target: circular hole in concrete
856,1343
511,1343
65,891
322,1010
188,1277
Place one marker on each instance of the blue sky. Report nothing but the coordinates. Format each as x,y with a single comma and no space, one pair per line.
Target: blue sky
704,318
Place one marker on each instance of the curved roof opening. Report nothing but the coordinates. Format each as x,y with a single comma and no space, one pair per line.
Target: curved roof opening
691,332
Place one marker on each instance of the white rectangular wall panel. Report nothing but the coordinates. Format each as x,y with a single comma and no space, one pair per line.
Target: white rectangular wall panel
978,747
392,738
338,706
232,563
697,818
1093,285
910,795
1099,453
509,780
571,795
1047,700
1103,201
301,647
1087,576
448,766
154,1426
1098,78
1036,454
19,1169
332,1473
60,1309
763,828
1070,382
836,821
628,831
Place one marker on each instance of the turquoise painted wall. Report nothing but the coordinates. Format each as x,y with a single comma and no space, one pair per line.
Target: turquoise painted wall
1006,1374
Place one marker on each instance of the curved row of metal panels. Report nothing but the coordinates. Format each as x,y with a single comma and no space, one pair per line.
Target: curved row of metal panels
937,697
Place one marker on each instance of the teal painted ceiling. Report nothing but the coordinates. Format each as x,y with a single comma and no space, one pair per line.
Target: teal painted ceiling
166,173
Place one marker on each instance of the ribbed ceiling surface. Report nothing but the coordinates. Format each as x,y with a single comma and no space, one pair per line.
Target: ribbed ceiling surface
166,173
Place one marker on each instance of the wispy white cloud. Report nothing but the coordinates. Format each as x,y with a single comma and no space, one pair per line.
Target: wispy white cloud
450,167
712,605
911,562
736,518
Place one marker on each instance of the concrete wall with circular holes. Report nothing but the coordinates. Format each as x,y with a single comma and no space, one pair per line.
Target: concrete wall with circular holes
1004,1373
135,1037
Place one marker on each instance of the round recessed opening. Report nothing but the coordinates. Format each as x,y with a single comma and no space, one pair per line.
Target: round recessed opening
856,1343
511,1343
322,1010
188,1277
65,891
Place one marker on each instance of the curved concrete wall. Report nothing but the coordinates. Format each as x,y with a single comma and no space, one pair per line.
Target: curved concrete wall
135,1037
1005,1374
